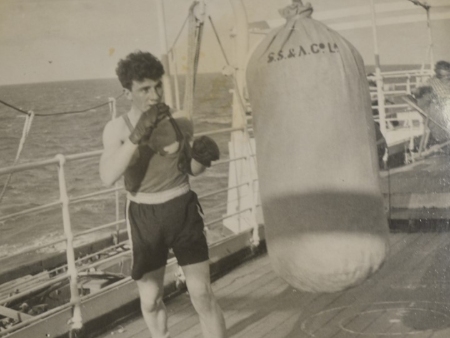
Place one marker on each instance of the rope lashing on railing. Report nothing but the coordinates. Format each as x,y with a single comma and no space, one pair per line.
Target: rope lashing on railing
25,132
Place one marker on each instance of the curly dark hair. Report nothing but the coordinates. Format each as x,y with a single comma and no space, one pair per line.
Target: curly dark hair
442,65
138,66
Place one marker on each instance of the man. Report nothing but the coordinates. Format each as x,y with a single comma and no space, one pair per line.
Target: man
152,151
440,84
434,98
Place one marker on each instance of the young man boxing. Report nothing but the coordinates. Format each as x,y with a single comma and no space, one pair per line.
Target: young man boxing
152,150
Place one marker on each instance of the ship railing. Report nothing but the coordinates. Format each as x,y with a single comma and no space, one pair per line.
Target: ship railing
402,82
400,118
74,266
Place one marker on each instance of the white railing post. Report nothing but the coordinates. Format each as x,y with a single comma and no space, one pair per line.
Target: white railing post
379,77
239,199
253,192
408,84
76,321
112,107
113,111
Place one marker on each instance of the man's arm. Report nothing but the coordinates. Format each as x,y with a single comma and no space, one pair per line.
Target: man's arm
197,168
116,154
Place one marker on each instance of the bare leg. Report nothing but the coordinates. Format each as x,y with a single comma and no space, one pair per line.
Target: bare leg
202,297
151,287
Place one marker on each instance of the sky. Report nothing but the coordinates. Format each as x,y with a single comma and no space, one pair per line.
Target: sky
54,40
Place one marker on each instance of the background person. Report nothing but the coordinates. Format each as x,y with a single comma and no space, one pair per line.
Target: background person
434,98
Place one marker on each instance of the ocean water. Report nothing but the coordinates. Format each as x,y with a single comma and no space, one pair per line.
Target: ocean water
82,132
75,133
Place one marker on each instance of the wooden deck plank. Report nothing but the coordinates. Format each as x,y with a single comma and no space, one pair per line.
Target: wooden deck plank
287,320
266,324
184,323
236,304
363,295
245,274
257,303
399,292
245,310
426,176
239,284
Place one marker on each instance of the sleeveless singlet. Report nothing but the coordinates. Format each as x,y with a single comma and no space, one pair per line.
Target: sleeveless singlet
150,172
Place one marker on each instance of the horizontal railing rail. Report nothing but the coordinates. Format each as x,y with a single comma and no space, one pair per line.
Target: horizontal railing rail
84,265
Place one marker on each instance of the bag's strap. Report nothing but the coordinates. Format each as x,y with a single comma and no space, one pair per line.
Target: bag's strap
176,127
128,122
184,155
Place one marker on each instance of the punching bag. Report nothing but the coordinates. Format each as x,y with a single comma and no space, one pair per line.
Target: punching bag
326,228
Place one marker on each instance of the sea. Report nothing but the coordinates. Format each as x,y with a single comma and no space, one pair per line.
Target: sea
73,133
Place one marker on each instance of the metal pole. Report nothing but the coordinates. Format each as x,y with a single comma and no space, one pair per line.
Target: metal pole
427,8
164,57
430,37
76,322
379,78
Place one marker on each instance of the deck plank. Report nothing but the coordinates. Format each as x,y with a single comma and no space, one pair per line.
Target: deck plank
362,298
286,321
178,307
232,284
408,295
281,327
235,303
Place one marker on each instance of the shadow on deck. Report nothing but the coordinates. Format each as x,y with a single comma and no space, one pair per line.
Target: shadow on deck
408,297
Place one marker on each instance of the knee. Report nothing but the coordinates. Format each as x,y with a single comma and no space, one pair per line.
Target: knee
202,298
149,304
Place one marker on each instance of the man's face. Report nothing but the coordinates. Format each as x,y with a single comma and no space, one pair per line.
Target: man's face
145,94
443,75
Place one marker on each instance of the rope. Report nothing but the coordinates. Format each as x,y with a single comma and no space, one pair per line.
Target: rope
13,107
195,32
25,132
197,50
218,40
58,113
27,127
179,34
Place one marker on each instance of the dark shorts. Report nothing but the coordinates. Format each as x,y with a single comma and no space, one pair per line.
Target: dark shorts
176,224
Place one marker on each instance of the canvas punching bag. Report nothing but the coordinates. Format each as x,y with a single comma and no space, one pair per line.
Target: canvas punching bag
326,228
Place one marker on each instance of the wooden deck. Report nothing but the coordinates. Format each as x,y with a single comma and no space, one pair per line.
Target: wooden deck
408,297
420,190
